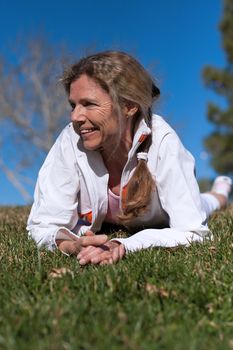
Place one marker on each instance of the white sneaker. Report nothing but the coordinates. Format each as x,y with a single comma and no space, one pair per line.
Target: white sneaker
222,185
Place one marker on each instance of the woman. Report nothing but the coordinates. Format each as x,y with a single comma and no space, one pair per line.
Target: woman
118,163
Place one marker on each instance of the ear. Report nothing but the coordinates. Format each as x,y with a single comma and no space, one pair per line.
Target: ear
130,109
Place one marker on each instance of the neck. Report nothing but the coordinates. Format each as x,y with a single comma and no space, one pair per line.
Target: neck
115,163
116,156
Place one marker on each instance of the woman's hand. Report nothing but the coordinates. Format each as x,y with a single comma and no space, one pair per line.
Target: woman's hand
107,253
74,247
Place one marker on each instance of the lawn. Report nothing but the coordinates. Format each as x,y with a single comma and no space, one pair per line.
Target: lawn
154,299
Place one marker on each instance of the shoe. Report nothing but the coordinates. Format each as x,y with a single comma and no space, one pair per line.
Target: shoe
222,185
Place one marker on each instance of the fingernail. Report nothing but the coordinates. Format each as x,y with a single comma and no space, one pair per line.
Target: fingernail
82,262
79,256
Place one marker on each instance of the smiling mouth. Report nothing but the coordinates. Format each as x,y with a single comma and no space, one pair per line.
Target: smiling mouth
87,131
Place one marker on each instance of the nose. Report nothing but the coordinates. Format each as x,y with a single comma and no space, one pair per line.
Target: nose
78,114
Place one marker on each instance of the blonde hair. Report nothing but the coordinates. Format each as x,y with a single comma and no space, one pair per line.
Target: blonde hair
125,79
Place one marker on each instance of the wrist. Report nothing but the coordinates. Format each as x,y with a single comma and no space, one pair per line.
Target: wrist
114,243
68,247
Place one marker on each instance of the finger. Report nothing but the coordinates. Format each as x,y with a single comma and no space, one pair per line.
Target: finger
85,259
122,251
89,233
115,254
85,251
93,240
100,257
75,247
106,262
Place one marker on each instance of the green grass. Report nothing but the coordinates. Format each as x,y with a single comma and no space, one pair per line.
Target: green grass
153,299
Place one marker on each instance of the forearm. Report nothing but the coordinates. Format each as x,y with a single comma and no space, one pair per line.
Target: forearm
167,237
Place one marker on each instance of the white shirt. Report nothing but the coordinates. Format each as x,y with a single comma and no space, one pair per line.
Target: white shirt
71,192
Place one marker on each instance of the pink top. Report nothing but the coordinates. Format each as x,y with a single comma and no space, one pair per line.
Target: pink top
113,208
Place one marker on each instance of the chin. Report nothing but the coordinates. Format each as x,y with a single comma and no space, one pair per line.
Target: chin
91,147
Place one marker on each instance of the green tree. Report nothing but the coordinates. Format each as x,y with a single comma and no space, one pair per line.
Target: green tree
220,142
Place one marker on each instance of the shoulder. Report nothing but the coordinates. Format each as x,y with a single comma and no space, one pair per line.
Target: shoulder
166,139
68,134
162,131
67,140
160,126
63,151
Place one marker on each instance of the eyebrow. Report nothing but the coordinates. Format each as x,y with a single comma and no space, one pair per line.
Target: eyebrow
83,100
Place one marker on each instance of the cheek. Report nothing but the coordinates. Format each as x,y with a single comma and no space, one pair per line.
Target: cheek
105,111
104,118
110,124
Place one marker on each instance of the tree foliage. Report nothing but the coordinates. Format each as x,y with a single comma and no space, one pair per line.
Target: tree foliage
220,80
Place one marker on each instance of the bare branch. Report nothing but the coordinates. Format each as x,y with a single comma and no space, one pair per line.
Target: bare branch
31,103
15,181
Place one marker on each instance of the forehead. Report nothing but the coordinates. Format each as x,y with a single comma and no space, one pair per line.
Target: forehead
85,86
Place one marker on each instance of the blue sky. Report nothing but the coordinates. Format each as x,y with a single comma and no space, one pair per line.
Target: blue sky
173,39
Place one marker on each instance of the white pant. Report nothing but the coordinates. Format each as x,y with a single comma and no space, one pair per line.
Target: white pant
209,203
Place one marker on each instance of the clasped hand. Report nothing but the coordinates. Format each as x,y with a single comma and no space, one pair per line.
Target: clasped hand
93,249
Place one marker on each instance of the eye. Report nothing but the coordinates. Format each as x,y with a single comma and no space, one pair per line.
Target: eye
88,104
72,105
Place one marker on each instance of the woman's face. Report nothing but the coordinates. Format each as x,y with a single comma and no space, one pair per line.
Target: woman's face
93,116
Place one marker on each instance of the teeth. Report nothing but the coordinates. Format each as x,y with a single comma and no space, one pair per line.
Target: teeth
85,131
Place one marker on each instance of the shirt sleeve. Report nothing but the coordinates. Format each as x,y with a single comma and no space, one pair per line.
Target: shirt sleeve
180,198
166,238
54,211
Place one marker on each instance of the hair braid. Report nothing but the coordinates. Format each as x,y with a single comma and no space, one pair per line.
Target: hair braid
139,188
